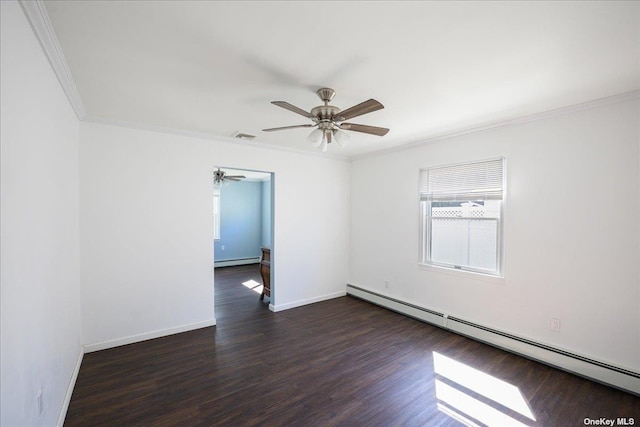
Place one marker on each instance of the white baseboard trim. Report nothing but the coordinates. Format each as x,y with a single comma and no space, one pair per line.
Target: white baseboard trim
70,387
89,348
287,306
232,262
616,376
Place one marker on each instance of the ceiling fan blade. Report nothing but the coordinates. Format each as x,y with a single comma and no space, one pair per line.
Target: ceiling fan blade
360,109
374,130
288,127
231,178
293,108
235,176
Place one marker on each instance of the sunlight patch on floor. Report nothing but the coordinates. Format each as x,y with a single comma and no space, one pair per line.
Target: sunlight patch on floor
452,413
253,285
459,404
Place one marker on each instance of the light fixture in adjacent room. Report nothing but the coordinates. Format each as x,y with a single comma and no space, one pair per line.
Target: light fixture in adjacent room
221,179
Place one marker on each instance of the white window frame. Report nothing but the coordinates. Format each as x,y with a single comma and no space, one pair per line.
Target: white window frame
216,214
426,200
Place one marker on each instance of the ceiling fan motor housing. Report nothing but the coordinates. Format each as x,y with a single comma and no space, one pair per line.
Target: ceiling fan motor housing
325,112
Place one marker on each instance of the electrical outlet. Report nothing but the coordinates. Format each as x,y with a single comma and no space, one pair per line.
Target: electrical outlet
555,325
39,403
222,248
386,284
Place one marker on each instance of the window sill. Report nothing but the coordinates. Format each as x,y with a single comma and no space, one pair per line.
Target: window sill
500,280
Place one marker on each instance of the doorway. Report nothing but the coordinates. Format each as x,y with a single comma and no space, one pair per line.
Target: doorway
243,207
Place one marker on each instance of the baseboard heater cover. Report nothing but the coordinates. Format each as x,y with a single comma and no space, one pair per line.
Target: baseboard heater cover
615,376
241,261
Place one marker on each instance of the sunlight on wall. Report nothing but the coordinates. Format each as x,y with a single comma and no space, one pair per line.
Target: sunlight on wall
458,382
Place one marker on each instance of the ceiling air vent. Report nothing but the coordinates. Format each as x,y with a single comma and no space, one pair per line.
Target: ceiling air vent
243,135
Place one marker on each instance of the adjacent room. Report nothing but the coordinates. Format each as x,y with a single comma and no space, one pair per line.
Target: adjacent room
242,229
441,199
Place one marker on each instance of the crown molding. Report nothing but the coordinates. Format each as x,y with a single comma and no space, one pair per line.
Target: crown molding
37,16
211,137
596,103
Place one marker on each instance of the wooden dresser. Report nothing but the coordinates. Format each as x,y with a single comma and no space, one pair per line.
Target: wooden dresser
265,272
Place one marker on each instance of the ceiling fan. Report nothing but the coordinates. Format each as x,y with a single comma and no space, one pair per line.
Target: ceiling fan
329,120
220,178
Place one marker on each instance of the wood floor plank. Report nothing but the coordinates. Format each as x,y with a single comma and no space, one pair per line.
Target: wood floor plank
342,362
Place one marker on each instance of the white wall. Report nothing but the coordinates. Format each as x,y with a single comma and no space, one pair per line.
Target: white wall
571,228
147,229
40,291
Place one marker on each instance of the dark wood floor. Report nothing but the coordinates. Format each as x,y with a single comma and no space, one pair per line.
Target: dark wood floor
340,362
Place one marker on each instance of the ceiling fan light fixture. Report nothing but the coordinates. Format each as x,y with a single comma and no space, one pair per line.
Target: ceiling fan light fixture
341,137
329,120
316,137
220,182
323,145
222,179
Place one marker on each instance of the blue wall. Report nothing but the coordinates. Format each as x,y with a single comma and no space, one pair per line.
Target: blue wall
241,221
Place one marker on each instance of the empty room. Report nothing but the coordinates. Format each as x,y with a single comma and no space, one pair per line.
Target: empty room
320,213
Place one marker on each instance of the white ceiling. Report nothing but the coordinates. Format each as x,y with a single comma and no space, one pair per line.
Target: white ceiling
438,67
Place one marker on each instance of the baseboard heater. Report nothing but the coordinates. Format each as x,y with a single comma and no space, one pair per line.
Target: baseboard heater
615,376
241,261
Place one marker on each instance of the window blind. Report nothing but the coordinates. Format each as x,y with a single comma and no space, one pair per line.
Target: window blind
469,181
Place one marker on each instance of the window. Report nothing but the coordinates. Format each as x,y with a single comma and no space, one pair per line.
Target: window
216,214
461,209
